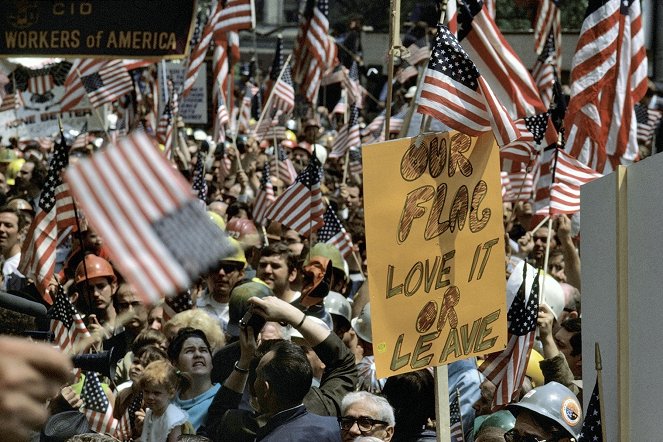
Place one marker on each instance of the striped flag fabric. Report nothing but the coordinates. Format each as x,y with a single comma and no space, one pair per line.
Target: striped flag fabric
245,107
74,91
127,424
509,79
177,304
608,76
66,325
55,213
264,197
355,165
320,53
548,26
300,206
353,86
40,84
300,53
81,139
284,92
348,135
419,52
457,95
156,231
517,182
167,125
12,101
455,420
108,84
96,406
342,104
283,167
558,187
592,427
536,133
332,232
276,67
236,16
506,369
221,121
199,52
220,74
544,71
648,120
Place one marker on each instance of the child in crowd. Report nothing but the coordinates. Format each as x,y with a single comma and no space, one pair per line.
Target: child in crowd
164,422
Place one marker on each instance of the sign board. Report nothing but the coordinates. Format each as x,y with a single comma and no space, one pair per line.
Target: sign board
99,28
193,108
435,244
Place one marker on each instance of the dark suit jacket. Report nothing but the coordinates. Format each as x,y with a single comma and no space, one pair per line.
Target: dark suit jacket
297,424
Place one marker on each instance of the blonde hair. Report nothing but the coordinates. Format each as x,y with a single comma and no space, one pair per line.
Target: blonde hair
197,319
160,373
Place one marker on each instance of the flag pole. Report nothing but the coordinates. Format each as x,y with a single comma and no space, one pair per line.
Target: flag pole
271,93
96,111
599,382
552,183
442,411
394,50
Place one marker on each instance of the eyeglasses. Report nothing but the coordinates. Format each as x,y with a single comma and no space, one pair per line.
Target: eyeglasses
512,436
229,267
363,423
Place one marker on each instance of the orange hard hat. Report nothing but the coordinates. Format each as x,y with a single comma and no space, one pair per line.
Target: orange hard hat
94,267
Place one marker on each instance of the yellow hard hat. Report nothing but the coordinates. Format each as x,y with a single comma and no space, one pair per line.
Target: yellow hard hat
13,169
217,219
534,369
290,135
238,252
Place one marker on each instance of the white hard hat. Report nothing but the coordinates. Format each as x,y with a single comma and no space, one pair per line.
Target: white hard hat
362,324
320,153
553,294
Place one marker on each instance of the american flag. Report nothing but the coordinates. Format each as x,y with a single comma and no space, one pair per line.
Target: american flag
148,216
648,121
455,420
177,304
55,213
536,133
220,74
127,424
66,325
396,121
277,66
264,197
12,101
300,207
548,26
506,369
108,84
405,72
40,84
353,86
355,165
509,79
592,428
320,53
245,108
96,406
348,135
285,170
517,182
167,125
199,184
456,94
342,104
198,53
221,120
609,75
545,73
300,53
332,232
374,131
236,16
558,187
284,92
81,139
337,75
419,52
74,91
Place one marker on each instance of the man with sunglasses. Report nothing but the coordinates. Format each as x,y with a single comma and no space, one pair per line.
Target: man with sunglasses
220,282
365,414
548,413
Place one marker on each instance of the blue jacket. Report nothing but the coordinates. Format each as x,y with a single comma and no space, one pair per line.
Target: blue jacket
297,424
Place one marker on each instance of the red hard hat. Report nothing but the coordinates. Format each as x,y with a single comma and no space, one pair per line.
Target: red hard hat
95,267
244,231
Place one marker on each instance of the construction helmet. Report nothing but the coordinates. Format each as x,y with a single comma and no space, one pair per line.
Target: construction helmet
238,304
553,295
217,219
21,204
320,152
362,324
238,253
290,135
12,170
94,266
245,231
328,251
7,155
556,402
534,369
500,419
337,304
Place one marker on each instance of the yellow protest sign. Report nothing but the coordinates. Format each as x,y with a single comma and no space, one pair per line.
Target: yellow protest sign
435,245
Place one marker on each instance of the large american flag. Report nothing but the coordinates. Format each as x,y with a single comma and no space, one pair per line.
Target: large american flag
236,16
332,232
300,207
156,231
67,325
455,419
96,406
56,213
548,26
558,187
592,427
648,121
506,369
108,84
197,56
544,71
536,133
456,94
348,135
264,197
509,79
608,76
74,91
